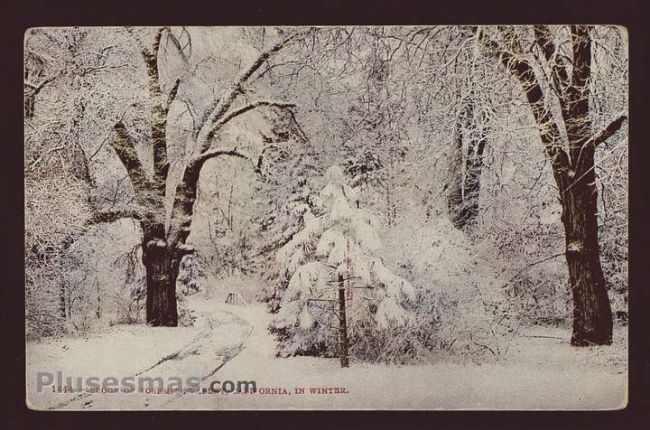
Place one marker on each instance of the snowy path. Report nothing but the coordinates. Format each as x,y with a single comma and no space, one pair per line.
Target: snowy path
217,337
539,373
232,343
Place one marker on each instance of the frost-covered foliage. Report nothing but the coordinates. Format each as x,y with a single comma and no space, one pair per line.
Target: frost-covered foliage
340,244
191,276
461,308
382,103
47,240
103,281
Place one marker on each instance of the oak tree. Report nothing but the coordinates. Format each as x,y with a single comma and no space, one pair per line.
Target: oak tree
571,155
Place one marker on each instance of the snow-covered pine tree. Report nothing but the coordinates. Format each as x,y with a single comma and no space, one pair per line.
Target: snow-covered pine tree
342,240
290,177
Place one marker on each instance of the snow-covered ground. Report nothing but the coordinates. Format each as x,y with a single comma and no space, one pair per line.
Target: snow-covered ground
231,342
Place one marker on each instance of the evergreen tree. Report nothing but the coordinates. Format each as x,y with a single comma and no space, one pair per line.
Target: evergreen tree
340,242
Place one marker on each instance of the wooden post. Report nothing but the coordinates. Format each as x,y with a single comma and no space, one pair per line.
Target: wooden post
343,327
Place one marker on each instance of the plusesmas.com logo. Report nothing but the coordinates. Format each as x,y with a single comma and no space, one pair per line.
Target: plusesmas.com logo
47,382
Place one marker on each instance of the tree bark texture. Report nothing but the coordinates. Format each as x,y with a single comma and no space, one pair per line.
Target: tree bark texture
572,164
164,247
465,168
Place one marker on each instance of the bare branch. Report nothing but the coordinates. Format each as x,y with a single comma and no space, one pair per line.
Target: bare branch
159,112
218,109
543,38
514,45
185,197
247,108
123,145
49,151
177,44
172,95
151,63
36,88
286,238
31,91
112,216
608,131
198,162
548,129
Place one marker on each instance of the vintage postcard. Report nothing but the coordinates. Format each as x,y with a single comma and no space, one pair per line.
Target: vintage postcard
329,218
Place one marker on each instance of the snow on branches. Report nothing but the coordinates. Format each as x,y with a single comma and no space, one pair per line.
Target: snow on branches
342,242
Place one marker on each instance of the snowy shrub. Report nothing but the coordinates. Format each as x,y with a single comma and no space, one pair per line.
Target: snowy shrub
191,275
614,258
535,283
130,298
540,295
186,315
460,308
103,284
341,244
47,240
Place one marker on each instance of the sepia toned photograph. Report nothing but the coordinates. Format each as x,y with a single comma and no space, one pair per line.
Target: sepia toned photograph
326,217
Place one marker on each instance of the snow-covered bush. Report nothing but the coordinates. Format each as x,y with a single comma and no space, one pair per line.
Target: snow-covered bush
191,275
47,240
131,295
535,277
340,244
106,285
460,307
186,315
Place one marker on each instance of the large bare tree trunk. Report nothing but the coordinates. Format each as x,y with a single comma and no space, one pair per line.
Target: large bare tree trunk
164,247
162,271
572,164
161,267
592,314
